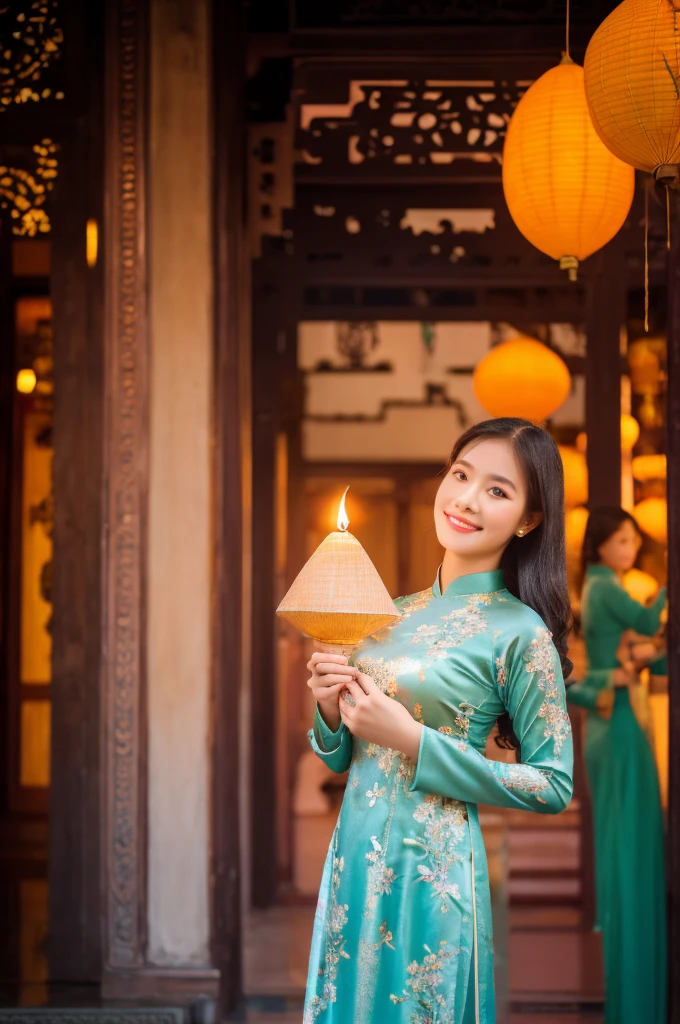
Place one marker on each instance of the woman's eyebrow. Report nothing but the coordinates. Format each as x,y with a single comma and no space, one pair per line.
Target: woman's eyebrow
492,476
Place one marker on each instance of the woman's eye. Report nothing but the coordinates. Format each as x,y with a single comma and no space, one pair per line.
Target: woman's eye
498,493
459,474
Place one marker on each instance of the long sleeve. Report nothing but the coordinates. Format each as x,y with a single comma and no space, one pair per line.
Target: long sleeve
335,748
590,690
625,610
530,683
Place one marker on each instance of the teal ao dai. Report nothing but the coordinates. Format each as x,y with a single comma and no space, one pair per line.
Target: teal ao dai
402,932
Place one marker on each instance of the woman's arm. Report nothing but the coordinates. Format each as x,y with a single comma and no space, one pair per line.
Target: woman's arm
627,612
335,748
533,693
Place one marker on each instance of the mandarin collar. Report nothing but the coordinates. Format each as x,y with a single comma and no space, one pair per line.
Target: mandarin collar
597,569
471,583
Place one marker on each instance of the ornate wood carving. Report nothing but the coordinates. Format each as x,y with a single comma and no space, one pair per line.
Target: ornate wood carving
126,446
31,40
27,176
415,124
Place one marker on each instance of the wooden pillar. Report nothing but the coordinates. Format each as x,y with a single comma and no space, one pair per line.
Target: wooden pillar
124,728
75,900
605,317
268,341
673,483
232,494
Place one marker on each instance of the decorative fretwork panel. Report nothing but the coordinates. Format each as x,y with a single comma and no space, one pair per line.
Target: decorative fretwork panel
26,179
30,42
408,125
360,235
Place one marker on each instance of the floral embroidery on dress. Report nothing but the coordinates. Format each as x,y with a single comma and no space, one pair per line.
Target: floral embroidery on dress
380,877
374,794
501,671
453,629
525,779
336,919
388,759
540,659
444,821
423,981
384,673
418,713
407,606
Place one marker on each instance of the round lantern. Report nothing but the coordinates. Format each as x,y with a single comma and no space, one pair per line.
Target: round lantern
630,432
651,515
632,70
575,476
649,467
640,585
575,523
522,377
565,191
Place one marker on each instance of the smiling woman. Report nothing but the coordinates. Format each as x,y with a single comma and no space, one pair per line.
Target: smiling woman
403,926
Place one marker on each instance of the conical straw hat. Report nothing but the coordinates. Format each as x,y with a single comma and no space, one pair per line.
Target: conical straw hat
338,597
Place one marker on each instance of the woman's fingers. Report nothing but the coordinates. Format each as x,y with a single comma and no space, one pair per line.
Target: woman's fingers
320,656
367,684
333,680
357,692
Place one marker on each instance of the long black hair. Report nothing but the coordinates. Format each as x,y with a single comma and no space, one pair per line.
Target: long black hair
535,565
603,523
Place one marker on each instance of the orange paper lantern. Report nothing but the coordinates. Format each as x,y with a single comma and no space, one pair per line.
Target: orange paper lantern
522,377
640,585
651,515
575,476
566,192
632,69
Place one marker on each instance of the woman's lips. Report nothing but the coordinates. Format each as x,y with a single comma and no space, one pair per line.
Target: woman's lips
461,525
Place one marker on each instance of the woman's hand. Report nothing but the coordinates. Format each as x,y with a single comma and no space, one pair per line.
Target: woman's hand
329,674
373,716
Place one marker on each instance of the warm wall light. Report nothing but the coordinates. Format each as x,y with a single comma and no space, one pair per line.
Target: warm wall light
651,515
92,242
26,381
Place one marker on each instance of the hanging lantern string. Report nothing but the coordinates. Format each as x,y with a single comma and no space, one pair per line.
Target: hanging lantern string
646,259
668,218
566,52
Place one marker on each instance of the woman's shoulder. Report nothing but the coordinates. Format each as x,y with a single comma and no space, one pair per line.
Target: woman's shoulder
517,621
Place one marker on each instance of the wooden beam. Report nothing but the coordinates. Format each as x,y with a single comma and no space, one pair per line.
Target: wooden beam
673,484
606,315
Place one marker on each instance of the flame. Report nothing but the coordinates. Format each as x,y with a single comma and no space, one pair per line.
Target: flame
343,521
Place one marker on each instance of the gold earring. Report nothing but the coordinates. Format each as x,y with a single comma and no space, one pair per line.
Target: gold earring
520,533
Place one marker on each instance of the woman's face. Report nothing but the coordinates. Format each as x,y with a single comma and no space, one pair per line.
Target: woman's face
482,502
621,549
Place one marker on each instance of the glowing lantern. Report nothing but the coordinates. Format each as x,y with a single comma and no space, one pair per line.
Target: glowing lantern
522,377
338,598
651,515
565,191
26,381
640,585
649,467
630,431
575,476
575,523
632,69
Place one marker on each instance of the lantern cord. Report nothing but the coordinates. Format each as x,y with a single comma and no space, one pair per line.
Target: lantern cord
568,14
646,260
668,218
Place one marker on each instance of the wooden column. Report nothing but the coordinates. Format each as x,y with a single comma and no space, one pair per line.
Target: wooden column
268,340
75,901
673,483
232,493
124,874
606,315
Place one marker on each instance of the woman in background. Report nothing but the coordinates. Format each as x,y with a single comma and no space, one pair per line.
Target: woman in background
627,815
